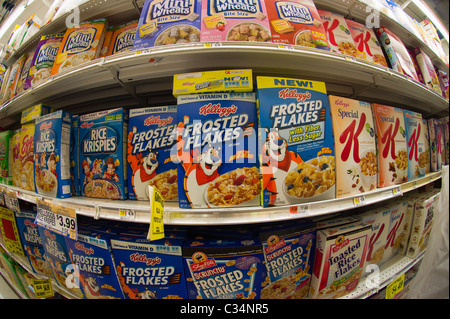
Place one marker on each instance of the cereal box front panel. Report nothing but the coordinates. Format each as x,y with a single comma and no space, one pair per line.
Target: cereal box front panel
150,140
297,141
164,22
16,163
26,156
391,145
231,20
398,212
414,127
218,150
354,138
123,38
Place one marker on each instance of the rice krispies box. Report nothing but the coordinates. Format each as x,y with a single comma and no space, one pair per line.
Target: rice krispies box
217,150
164,22
296,141
52,154
223,269
150,140
234,20
416,147
103,156
354,138
391,145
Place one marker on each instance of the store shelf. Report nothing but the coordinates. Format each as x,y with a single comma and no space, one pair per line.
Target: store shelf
10,291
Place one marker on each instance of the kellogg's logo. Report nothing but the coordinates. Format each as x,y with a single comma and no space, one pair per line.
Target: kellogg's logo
87,125
294,94
217,109
137,257
45,125
341,103
87,251
157,120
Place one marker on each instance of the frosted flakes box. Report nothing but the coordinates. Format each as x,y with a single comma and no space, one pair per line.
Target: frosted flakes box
217,150
123,38
391,145
223,269
5,158
433,145
150,140
164,22
296,139
52,154
354,138
416,147
26,157
231,20
103,154
150,269
289,255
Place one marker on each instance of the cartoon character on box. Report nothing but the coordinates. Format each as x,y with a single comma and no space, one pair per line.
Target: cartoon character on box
110,170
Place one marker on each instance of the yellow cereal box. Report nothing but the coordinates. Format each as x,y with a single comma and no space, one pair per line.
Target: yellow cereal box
123,38
15,165
107,42
26,178
81,44
32,113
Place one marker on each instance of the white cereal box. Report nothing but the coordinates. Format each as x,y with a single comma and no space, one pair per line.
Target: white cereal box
339,260
354,138
398,213
433,145
414,127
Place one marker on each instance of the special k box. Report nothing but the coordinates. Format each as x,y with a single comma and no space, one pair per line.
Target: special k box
391,145
354,140
424,157
414,127
296,22
433,145
235,20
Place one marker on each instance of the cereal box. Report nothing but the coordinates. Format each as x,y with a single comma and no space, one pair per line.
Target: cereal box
103,154
398,211
433,145
416,147
235,20
296,22
24,73
16,165
26,157
223,269
123,38
213,81
426,67
32,113
217,150
52,154
150,269
446,135
424,157
81,43
150,140
440,143
165,22
391,145
14,74
408,201
43,59
5,155
288,254
339,260
10,231
107,42
366,43
296,141
75,167
354,137
338,33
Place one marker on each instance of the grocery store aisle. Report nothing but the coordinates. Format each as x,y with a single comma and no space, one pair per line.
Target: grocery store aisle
5,290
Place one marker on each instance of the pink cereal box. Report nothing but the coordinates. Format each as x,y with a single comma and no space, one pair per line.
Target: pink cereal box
354,137
235,20
391,145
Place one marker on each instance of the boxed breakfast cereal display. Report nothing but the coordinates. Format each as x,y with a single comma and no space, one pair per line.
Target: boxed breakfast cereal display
24,73
150,140
217,150
123,38
354,137
446,134
26,157
52,154
296,141
103,156
223,269
430,78
424,160
296,22
396,230
12,79
391,145
433,145
416,147
107,41
165,22
5,158
10,232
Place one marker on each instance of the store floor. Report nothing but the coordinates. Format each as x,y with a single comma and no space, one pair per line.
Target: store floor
5,290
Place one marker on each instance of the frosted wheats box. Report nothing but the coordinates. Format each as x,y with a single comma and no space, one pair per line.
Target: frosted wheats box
296,141
103,154
416,147
217,150
52,154
150,140
164,22
123,38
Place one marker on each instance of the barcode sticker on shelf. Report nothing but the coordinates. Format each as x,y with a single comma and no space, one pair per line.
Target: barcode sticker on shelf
397,191
43,288
127,214
395,287
62,220
359,201
11,201
156,229
285,47
302,209
212,45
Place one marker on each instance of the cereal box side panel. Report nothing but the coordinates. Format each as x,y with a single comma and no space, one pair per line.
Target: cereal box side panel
26,156
75,156
425,155
433,145
107,41
5,138
439,132
16,163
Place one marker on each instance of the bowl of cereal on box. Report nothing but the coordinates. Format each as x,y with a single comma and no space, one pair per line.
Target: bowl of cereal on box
249,32
178,34
46,183
368,169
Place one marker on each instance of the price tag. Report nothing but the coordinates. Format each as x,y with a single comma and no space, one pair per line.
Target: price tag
127,214
302,209
397,191
359,201
414,186
285,47
156,230
59,219
43,288
212,45
395,287
11,201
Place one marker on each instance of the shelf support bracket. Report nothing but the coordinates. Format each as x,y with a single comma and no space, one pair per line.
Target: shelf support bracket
129,88
135,5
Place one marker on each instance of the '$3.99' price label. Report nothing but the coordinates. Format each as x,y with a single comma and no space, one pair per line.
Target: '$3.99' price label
61,220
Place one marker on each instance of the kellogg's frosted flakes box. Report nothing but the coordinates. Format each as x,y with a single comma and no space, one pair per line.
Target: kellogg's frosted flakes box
217,150
223,269
354,139
165,22
235,20
416,147
150,269
296,141
296,22
52,154
150,140
391,145
103,155
123,38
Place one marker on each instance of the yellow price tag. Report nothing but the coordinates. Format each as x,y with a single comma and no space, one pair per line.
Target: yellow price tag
156,230
43,288
395,287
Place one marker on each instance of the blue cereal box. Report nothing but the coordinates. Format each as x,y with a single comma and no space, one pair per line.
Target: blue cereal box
164,22
91,253
415,145
223,269
296,137
150,140
217,150
52,154
150,269
75,156
103,154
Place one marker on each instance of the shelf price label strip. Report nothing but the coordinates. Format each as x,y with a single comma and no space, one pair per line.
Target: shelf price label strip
62,220
43,288
156,229
395,287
